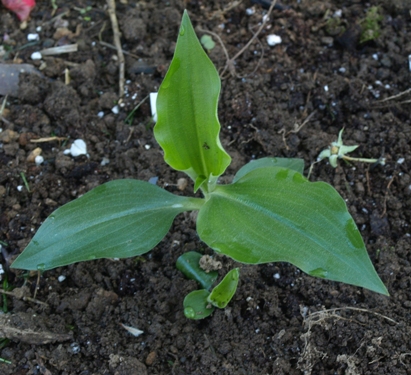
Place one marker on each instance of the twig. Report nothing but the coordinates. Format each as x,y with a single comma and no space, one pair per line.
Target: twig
319,313
108,45
17,294
396,96
48,139
296,129
386,194
3,106
230,62
116,36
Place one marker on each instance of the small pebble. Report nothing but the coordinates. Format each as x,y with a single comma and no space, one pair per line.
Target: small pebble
39,160
249,11
151,358
36,56
33,36
273,40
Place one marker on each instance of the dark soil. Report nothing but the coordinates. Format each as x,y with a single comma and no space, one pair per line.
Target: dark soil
280,321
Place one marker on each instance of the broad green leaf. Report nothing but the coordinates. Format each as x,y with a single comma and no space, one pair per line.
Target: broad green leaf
290,163
188,264
187,128
196,305
274,214
121,218
221,295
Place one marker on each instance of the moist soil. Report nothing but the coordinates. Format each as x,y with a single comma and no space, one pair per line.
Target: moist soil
288,100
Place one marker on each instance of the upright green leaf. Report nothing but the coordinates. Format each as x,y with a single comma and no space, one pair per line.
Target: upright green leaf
221,295
187,128
274,214
121,218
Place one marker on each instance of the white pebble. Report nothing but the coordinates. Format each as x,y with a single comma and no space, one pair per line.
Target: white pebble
147,147
249,11
100,114
20,187
400,160
36,56
38,160
105,161
78,148
375,56
273,40
33,36
326,88
61,278
277,276
115,109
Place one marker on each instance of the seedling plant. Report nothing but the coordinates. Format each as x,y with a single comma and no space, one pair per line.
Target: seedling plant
269,213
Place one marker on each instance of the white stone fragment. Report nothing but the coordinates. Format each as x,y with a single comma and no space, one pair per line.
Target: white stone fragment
273,40
78,148
20,187
153,101
33,36
326,88
100,114
134,331
249,11
400,160
36,56
38,160
115,110
104,161
61,278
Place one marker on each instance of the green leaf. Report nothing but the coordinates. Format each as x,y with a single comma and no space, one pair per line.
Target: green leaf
187,128
196,305
188,264
121,218
290,163
221,295
274,214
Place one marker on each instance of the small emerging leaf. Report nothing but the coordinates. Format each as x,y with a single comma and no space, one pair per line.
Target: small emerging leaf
188,264
221,295
187,128
196,305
